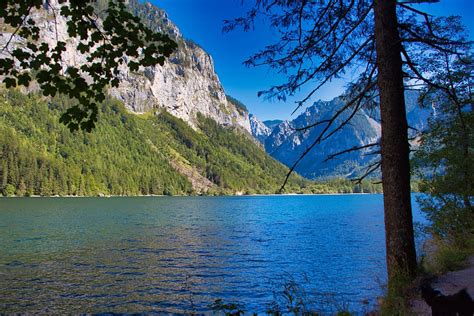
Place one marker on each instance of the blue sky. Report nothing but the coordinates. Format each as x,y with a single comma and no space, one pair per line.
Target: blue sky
202,21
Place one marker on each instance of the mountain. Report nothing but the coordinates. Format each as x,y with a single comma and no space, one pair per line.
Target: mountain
184,86
417,116
272,123
135,154
286,143
259,130
164,130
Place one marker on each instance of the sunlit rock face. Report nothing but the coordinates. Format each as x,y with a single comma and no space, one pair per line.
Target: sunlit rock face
259,130
186,85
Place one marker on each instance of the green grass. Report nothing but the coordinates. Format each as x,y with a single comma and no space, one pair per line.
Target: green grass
447,257
397,297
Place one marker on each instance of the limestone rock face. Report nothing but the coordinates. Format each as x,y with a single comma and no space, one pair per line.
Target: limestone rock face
186,85
259,130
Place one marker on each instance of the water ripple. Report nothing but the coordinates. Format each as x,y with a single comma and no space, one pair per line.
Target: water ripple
178,255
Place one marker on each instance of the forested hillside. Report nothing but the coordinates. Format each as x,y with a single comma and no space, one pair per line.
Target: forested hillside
127,154
130,154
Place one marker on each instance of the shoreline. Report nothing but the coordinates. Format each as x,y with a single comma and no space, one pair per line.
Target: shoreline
156,195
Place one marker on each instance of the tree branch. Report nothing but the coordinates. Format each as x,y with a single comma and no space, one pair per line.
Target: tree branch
17,29
369,170
321,136
355,148
334,72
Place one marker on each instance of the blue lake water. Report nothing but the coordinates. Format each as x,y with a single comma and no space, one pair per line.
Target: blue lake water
180,254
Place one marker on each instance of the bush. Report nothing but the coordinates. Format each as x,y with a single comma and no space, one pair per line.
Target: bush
9,190
445,163
396,299
446,257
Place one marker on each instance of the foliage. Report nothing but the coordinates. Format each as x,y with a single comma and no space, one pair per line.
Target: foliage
445,163
8,190
446,257
119,39
42,157
445,159
292,299
131,154
397,297
127,154
239,105
228,157
341,185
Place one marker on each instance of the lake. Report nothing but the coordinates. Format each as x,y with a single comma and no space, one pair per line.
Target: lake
180,254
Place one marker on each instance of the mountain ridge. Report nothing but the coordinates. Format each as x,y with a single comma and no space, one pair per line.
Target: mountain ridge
187,88
169,130
286,141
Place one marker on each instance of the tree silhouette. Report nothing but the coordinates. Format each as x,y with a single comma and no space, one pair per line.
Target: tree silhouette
118,38
385,42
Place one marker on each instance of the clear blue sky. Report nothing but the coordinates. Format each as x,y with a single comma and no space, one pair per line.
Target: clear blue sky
202,21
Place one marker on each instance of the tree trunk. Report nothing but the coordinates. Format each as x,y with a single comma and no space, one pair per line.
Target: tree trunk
401,256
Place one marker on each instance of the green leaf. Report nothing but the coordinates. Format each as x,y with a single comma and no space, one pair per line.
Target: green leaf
24,79
9,82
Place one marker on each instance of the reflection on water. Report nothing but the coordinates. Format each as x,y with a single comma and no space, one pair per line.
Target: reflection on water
179,254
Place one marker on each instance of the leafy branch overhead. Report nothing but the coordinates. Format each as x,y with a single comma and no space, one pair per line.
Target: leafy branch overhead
116,39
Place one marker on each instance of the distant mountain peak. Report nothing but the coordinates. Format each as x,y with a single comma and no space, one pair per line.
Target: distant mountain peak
259,130
272,123
286,144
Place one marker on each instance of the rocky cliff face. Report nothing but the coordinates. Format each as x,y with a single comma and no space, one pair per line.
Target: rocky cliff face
186,85
259,130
